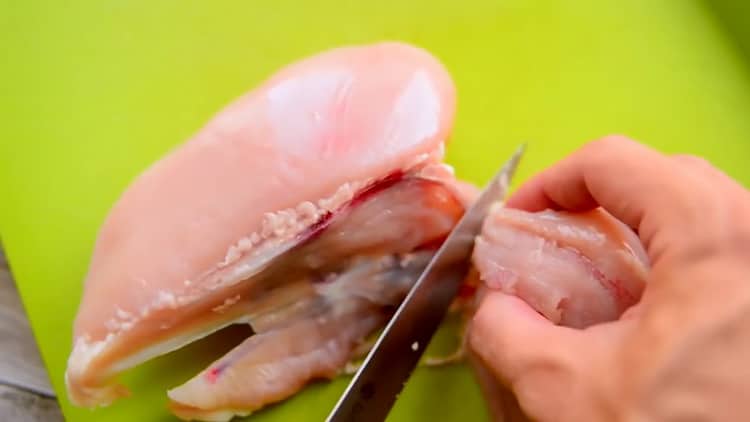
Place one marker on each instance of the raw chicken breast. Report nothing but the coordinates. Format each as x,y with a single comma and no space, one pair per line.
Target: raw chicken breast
339,285
328,171
577,269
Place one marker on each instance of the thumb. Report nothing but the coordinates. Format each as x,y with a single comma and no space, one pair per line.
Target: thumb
513,340
551,369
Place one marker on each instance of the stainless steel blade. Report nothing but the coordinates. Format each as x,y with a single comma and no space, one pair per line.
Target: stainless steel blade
376,385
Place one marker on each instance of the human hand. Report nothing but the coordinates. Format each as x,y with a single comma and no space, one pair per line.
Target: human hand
681,352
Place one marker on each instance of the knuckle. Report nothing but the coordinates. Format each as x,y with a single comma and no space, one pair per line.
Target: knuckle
693,159
612,141
608,146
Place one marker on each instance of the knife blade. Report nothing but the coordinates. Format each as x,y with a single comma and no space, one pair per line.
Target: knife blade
376,385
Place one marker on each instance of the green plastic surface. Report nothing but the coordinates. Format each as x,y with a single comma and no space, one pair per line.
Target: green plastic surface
94,91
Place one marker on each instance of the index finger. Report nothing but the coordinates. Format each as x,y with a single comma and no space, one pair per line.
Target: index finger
640,186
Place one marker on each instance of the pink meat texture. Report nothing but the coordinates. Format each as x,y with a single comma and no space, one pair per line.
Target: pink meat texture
576,269
306,209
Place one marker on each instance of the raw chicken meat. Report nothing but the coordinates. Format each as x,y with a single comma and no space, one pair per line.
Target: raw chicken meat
577,269
308,205
307,209
340,285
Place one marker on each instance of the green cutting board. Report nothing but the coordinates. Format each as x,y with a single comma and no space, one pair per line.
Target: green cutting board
94,91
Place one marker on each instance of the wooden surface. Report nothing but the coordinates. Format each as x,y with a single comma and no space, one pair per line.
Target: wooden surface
25,392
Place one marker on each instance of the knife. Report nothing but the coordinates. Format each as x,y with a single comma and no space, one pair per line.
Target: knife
375,387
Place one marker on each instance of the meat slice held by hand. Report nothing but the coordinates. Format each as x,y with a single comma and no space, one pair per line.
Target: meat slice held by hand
577,269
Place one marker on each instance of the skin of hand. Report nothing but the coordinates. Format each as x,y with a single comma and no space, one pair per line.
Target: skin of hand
683,352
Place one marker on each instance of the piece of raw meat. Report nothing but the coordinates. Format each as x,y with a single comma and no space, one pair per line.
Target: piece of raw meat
306,210
577,269
309,206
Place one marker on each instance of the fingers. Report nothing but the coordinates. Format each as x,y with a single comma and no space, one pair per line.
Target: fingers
708,173
537,360
512,338
701,167
602,173
547,367
696,162
655,194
